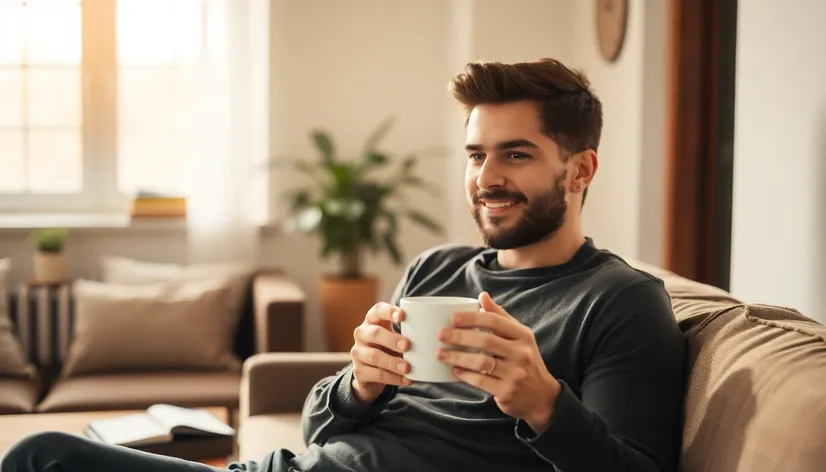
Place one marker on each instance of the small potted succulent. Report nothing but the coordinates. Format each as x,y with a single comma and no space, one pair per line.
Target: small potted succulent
50,257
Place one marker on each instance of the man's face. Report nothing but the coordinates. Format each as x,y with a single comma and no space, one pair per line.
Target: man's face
515,175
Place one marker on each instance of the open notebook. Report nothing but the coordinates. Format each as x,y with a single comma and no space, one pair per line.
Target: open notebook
160,424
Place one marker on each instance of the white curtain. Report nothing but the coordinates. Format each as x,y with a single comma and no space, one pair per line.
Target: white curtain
227,191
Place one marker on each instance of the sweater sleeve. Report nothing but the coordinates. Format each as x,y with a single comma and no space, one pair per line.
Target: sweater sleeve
628,416
331,408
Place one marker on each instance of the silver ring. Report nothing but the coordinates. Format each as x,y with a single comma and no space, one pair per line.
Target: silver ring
493,366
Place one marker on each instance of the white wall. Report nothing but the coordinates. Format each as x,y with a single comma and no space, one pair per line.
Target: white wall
651,203
624,210
779,208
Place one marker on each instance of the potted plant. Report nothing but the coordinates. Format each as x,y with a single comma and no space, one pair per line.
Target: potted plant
49,256
354,212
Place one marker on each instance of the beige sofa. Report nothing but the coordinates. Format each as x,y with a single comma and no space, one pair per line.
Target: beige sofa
755,400
272,321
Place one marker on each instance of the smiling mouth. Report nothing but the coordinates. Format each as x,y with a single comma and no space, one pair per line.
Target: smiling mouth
500,205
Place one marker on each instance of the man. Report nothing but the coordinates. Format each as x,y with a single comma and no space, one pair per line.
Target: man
585,362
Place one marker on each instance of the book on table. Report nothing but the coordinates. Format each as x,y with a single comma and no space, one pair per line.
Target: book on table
169,430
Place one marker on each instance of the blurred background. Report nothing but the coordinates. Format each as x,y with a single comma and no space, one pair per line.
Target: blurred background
145,128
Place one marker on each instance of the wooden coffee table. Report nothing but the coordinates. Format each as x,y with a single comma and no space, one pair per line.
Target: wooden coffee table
16,427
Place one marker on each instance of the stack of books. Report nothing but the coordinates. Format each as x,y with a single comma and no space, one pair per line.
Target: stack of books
147,205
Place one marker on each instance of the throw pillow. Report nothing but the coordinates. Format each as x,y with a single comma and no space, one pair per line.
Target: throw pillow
12,359
125,271
149,327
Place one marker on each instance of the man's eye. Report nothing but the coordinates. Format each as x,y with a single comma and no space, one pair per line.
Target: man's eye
517,155
476,156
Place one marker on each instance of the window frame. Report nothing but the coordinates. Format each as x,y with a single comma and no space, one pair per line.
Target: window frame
99,126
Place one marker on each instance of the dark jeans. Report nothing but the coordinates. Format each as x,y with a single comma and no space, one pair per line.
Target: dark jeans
62,452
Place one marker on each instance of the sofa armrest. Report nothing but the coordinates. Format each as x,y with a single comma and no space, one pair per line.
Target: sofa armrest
280,382
278,304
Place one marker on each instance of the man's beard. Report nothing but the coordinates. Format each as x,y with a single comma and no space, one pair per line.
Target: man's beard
544,215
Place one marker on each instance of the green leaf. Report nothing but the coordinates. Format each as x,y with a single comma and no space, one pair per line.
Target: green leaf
408,164
374,159
369,236
392,222
345,208
308,219
378,134
324,144
49,239
424,221
342,178
299,199
373,193
326,250
392,248
330,238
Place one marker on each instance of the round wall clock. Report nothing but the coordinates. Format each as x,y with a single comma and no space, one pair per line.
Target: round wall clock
612,20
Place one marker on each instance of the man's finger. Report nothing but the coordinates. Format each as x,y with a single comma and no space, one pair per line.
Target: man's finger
505,327
489,384
488,304
482,363
379,359
366,374
380,312
471,338
384,314
381,336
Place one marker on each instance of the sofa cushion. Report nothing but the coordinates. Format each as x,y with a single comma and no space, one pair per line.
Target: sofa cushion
140,390
755,393
756,377
18,395
120,328
259,435
125,271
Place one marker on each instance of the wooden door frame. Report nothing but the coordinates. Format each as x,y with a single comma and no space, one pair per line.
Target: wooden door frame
700,139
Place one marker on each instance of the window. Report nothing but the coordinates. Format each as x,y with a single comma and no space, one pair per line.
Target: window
40,85
99,99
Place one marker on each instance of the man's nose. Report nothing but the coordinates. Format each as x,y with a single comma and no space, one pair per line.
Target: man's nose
490,175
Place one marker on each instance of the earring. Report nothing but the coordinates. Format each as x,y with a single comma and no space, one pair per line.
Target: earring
577,189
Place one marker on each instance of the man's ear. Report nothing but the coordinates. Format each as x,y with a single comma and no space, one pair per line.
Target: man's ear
585,167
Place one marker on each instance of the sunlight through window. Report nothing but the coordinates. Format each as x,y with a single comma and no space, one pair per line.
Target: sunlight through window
40,89
159,52
59,95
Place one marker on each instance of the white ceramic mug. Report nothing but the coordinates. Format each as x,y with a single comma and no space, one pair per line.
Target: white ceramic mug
424,317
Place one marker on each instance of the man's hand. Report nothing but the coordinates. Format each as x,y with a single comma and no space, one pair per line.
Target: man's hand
377,352
517,377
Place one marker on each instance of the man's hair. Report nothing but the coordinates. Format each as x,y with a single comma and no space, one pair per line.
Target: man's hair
571,114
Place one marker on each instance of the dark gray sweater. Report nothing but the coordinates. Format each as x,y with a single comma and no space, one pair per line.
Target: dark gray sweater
606,332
